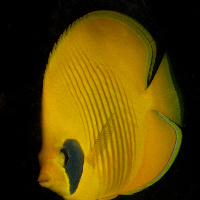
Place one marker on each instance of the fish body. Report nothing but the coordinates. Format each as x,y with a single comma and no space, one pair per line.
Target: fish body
106,130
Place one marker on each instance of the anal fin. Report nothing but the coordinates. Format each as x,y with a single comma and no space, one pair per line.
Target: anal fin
161,146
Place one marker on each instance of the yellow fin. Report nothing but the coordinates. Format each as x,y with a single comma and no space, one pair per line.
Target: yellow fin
94,31
163,140
109,198
142,33
165,97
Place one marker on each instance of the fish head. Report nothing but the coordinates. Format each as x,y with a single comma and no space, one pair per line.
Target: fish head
53,176
61,169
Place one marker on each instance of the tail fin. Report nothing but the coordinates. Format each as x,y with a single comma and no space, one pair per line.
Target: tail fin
166,97
161,135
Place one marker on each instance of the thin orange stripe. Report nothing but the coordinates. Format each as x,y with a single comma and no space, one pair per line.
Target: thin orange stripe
105,156
86,103
131,135
104,113
95,121
122,134
64,73
113,151
75,90
118,138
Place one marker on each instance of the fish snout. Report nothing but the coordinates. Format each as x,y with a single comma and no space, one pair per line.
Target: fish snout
45,177
43,182
53,176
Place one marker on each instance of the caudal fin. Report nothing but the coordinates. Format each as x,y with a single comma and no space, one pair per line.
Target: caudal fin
166,97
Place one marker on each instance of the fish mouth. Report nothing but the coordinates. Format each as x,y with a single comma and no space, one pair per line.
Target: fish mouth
43,182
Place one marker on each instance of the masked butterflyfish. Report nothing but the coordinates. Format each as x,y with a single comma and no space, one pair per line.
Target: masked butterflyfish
107,130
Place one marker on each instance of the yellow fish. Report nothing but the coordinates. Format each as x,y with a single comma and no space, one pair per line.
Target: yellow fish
107,131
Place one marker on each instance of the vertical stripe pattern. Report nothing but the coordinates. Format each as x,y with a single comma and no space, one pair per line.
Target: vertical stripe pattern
107,114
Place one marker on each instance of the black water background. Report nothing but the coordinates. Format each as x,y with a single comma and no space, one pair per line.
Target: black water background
32,29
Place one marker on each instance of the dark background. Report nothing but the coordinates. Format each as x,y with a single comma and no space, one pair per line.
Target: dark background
32,29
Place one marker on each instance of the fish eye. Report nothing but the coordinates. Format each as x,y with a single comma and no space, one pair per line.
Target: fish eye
63,157
72,160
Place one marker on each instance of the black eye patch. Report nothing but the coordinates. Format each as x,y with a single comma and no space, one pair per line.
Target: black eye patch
73,164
